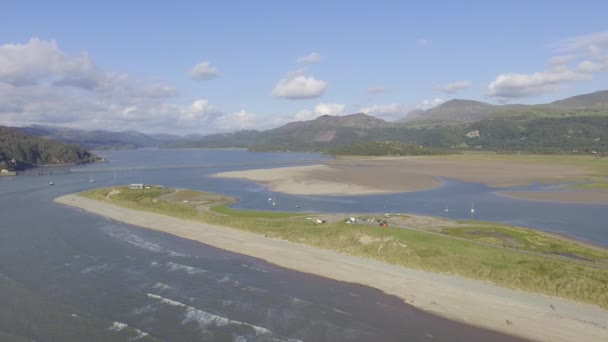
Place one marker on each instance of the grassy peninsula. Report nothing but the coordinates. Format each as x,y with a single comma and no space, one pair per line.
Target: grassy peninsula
504,255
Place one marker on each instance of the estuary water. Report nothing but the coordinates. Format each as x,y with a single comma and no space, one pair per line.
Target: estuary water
67,275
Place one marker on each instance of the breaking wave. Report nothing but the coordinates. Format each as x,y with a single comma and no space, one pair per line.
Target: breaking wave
188,269
206,319
141,243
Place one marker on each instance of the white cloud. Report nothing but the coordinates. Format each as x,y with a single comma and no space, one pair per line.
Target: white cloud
423,42
454,87
589,42
203,71
428,104
320,109
41,84
378,89
197,111
297,86
235,121
40,61
389,112
585,56
311,58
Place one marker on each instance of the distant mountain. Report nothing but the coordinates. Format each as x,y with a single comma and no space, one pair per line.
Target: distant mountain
579,123
454,111
299,135
100,139
328,128
20,151
597,101
462,111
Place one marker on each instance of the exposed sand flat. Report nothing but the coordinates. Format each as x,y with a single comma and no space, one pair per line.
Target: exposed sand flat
477,303
575,196
333,180
386,175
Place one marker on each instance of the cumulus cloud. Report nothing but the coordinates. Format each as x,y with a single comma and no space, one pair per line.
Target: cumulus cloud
235,121
40,61
297,85
203,71
389,112
454,87
41,84
580,59
378,90
320,109
428,104
311,58
198,111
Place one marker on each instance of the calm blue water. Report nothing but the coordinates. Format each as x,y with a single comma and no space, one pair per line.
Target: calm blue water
582,221
67,275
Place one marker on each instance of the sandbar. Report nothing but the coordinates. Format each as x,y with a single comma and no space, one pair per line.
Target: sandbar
482,304
364,176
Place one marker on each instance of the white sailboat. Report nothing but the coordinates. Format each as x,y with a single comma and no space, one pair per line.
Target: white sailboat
472,208
446,209
91,180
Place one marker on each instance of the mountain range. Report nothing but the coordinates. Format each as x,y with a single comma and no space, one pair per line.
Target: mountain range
100,139
575,123
459,111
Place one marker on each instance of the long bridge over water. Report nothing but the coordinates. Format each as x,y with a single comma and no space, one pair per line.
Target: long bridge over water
64,170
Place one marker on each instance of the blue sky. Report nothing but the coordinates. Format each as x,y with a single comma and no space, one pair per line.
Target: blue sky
129,64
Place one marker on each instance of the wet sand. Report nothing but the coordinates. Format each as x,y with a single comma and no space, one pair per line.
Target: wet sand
481,304
363,176
573,196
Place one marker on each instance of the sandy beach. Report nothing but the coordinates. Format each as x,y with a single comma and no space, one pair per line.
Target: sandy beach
477,303
362,176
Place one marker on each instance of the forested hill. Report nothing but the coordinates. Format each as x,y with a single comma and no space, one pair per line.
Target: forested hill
19,151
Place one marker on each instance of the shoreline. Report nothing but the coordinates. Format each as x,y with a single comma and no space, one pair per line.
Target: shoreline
472,302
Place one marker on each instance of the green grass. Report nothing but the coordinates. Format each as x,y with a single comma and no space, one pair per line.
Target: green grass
410,248
222,209
594,185
523,239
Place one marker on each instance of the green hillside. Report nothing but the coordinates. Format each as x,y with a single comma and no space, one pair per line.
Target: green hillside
20,151
577,124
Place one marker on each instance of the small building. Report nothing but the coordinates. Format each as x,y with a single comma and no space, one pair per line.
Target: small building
136,186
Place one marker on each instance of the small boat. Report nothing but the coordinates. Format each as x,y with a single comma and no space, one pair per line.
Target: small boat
91,180
472,208
446,209
51,183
